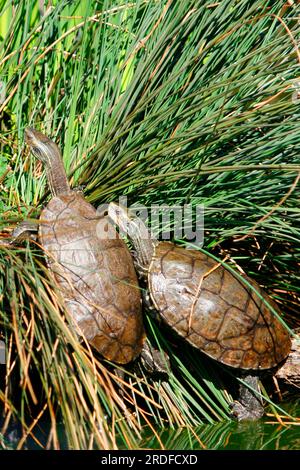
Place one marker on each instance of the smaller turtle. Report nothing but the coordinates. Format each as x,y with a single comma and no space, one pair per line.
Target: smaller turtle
209,307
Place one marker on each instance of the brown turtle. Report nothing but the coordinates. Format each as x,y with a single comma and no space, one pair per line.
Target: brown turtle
90,262
209,307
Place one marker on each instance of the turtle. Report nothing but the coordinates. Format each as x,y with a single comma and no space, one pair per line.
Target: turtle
91,264
211,308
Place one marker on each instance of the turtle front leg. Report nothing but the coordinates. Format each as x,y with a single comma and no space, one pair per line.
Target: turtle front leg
249,406
23,231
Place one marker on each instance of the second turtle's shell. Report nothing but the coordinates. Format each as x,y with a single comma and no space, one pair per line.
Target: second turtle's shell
214,311
96,276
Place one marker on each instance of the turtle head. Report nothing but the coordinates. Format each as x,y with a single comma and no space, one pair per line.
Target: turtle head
48,152
127,222
135,229
41,146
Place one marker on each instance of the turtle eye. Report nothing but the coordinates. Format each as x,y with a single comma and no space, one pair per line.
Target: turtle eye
37,152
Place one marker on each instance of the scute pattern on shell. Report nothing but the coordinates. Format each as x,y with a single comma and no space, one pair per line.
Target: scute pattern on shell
214,311
96,276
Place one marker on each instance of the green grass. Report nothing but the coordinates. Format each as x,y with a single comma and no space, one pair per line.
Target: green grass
164,102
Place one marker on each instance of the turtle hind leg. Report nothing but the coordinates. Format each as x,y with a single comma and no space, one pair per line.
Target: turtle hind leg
23,231
153,361
249,405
